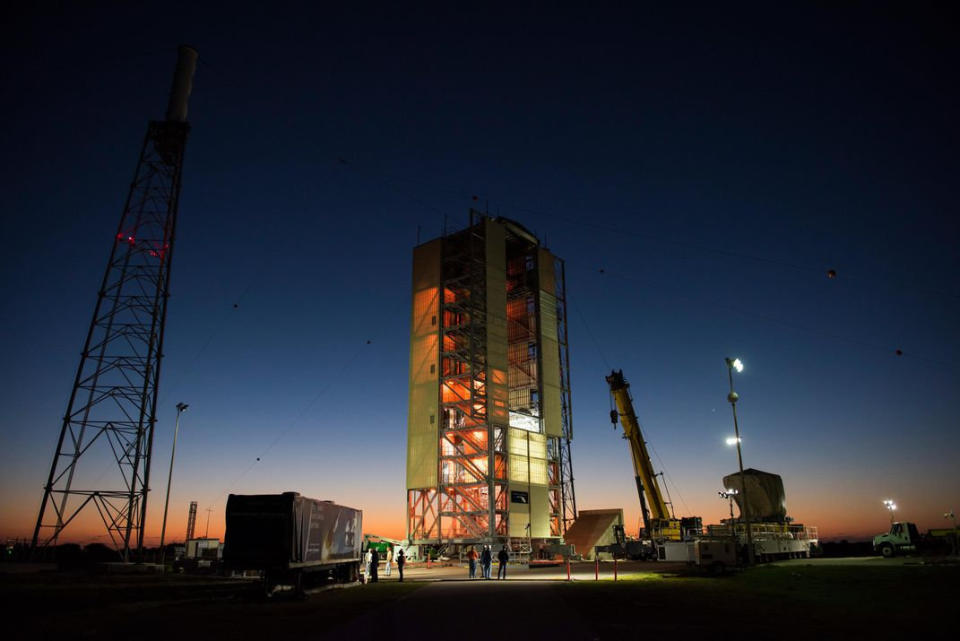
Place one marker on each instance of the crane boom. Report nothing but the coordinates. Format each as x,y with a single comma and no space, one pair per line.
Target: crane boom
656,517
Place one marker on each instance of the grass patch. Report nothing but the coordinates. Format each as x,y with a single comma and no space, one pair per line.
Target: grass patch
781,602
171,604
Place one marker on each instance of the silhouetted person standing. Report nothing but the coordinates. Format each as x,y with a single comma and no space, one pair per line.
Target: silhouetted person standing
486,560
374,565
401,561
503,556
388,559
472,562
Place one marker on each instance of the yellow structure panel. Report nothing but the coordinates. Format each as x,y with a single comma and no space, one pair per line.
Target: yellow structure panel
517,470
423,409
528,457
426,265
519,517
546,272
539,512
550,358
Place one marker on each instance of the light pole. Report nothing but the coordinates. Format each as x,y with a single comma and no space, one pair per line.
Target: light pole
163,530
728,495
954,542
891,506
736,364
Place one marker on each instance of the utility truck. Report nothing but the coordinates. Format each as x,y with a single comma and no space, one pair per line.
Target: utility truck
902,537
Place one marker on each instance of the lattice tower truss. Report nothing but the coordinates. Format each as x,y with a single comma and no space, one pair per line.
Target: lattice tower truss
567,495
191,520
101,467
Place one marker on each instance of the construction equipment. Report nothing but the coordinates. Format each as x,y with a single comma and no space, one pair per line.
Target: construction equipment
658,524
902,537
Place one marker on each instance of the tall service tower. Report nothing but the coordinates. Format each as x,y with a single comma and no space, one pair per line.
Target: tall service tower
100,475
489,425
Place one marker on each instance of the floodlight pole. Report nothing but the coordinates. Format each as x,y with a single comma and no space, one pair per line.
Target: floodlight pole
728,495
163,530
891,506
733,397
954,541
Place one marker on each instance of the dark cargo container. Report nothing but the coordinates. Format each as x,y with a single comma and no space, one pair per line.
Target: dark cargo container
764,491
287,535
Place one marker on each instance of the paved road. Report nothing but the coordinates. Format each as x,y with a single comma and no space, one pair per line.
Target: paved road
533,605
586,571
579,571
468,610
851,561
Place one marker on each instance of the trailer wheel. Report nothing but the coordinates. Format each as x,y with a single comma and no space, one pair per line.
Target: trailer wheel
299,587
886,550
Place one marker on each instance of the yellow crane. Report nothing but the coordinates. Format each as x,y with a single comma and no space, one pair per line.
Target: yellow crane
657,521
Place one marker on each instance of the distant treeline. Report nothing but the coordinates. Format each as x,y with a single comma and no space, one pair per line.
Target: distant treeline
69,555
847,548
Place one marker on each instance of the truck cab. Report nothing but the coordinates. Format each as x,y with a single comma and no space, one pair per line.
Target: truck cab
902,537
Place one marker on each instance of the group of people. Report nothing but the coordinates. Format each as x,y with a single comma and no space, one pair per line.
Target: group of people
372,563
372,559
486,562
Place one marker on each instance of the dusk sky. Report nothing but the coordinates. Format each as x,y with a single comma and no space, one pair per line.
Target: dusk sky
700,171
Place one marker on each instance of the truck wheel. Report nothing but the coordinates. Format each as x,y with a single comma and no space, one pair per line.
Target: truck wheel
886,550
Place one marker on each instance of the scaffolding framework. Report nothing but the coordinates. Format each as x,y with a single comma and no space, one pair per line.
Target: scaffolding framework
112,409
472,471
568,497
499,449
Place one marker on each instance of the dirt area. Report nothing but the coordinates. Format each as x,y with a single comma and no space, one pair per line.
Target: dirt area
876,600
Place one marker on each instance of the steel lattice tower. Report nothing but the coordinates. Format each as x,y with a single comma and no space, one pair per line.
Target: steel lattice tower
102,460
191,520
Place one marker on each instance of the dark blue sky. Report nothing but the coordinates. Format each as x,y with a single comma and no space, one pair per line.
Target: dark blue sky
713,164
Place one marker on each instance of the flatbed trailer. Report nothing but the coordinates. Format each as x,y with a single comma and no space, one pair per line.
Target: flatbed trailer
771,541
292,540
